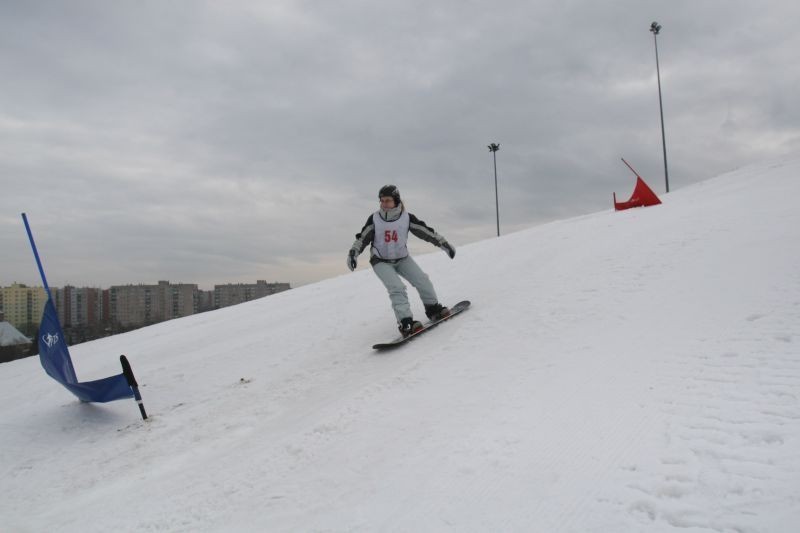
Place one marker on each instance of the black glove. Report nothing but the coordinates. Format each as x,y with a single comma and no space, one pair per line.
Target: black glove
351,260
449,250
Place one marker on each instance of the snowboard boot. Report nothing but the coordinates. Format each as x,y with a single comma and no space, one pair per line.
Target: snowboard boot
408,326
436,312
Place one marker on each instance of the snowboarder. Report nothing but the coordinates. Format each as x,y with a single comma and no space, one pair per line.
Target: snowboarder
387,231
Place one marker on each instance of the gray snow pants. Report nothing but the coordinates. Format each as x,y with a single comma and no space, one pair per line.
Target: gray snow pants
390,273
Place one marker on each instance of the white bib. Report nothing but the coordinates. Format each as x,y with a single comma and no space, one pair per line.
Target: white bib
391,237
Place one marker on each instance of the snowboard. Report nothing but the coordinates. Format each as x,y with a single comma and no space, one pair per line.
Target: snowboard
399,341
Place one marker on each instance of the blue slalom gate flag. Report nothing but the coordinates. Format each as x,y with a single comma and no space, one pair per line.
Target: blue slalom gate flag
56,361
55,358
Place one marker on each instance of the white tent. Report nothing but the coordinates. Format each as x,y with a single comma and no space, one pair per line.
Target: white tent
10,336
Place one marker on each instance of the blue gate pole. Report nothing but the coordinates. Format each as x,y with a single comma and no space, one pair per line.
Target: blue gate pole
36,255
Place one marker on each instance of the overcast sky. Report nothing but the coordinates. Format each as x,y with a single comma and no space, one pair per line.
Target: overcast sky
214,142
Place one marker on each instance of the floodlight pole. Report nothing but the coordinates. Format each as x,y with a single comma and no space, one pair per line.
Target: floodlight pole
655,27
494,147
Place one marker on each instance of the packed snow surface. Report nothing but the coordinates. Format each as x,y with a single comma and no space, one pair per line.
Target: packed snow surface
617,372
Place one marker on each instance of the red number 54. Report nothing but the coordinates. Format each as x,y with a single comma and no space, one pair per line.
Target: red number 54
389,236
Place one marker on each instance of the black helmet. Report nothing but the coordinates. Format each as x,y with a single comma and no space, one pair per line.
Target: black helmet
390,190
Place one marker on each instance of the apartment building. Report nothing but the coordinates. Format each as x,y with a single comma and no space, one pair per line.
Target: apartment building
87,312
79,306
140,305
23,306
205,301
232,294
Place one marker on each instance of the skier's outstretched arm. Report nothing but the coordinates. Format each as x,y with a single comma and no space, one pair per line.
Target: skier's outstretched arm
428,234
363,239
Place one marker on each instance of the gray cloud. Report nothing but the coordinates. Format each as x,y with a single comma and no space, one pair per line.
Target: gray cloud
214,142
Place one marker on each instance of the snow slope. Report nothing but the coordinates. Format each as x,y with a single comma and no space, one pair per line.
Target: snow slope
617,372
